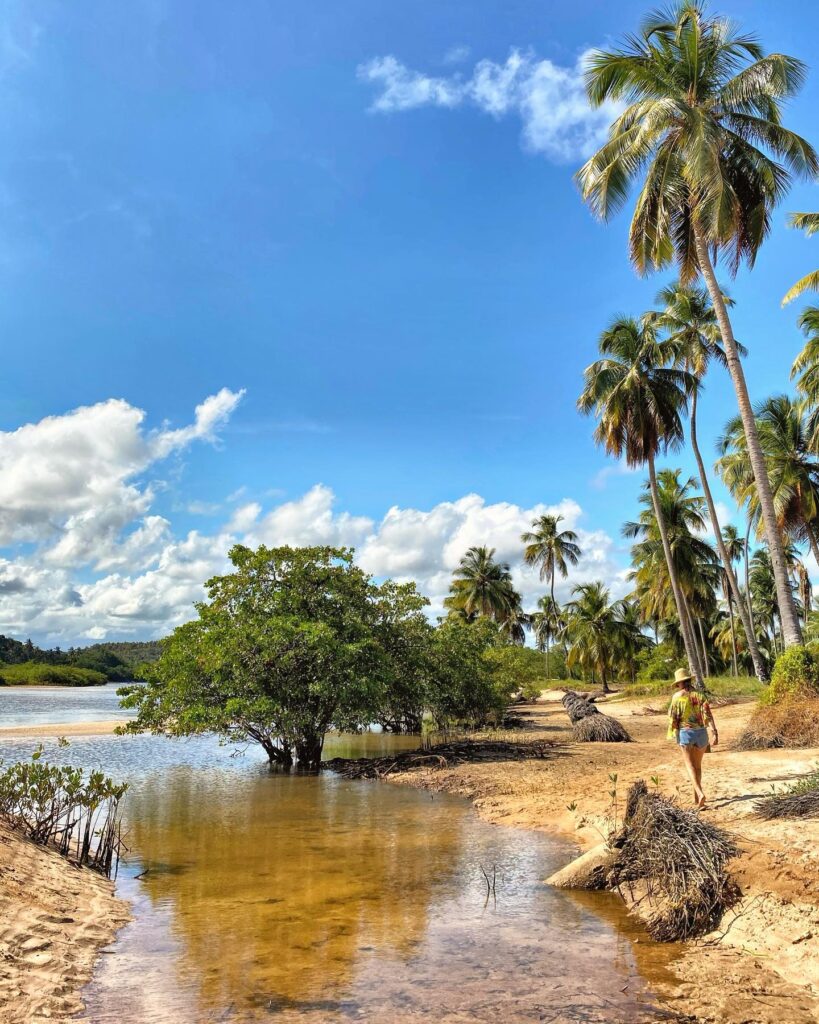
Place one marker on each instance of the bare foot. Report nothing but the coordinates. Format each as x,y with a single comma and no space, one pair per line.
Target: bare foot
701,802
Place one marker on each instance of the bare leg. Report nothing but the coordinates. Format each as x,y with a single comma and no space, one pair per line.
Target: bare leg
696,758
693,765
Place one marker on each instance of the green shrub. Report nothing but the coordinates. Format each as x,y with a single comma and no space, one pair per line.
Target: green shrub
31,673
796,672
517,671
658,662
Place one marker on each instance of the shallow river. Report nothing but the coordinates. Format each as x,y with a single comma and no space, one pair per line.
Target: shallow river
261,897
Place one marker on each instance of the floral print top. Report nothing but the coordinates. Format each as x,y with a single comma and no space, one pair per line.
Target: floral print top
688,710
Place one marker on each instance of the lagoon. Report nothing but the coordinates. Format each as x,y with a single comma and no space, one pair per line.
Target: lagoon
259,896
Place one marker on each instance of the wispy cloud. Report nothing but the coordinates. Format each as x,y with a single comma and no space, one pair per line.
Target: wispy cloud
600,479
550,100
294,426
457,55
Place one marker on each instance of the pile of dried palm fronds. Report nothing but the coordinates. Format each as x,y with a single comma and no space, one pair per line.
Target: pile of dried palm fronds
800,800
443,755
791,723
676,862
590,725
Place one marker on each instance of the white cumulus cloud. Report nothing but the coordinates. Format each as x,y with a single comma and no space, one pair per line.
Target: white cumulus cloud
100,563
549,99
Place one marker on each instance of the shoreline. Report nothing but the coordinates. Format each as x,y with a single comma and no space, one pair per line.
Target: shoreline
763,967
51,730
55,920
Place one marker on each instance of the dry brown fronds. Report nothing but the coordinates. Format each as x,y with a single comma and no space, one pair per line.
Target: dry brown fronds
791,723
600,729
680,861
590,724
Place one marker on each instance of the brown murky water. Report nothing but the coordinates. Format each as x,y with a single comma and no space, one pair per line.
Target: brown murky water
259,897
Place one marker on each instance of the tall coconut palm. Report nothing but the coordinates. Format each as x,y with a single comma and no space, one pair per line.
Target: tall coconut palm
548,625
551,549
734,548
792,468
688,317
592,630
809,223
702,128
639,402
482,586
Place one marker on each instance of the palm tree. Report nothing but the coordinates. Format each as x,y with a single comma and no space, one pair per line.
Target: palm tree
702,127
550,549
689,319
809,223
548,625
482,586
764,594
638,401
515,622
734,547
591,630
792,469
695,561
806,371
629,638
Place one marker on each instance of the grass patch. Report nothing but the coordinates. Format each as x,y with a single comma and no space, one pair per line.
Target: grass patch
32,673
718,686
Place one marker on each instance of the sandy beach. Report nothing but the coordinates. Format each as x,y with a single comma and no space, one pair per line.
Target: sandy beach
55,919
763,968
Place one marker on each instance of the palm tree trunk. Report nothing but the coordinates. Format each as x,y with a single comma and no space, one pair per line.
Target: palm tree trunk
693,632
706,665
548,676
756,657
791,631
690,649
748,600
733,630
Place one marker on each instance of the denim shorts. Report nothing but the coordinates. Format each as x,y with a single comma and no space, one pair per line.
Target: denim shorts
694,738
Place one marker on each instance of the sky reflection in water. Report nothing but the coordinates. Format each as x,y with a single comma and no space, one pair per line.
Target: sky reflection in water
316,899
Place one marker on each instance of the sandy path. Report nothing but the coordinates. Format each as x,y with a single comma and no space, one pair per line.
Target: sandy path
765,970
54,920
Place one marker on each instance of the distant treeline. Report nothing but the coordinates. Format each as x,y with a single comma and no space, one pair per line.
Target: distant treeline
115,662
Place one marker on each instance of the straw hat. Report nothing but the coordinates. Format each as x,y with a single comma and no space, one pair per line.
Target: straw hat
682,676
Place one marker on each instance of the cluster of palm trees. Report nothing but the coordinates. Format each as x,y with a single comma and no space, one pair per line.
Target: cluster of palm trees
702,141
702,137
600,639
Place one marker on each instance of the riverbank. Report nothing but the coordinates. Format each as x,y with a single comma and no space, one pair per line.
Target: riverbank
764,967
55,919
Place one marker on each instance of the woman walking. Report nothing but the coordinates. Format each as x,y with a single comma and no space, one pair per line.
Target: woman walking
689,716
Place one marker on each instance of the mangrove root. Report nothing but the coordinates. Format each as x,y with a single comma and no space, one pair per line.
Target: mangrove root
443,755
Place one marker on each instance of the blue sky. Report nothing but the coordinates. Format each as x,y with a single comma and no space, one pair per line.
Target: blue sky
393,266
